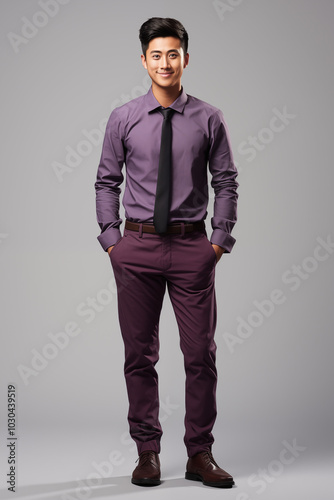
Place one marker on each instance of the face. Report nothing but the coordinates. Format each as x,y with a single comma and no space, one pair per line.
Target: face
165,61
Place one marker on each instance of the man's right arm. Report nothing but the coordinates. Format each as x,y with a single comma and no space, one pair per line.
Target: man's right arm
109,178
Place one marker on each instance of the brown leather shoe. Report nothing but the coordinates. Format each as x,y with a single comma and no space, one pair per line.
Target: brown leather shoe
147,472
203,467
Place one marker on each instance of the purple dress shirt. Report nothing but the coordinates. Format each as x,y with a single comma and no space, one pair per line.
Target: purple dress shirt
200,139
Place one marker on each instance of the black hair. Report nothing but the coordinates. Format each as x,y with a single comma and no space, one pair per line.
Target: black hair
156,27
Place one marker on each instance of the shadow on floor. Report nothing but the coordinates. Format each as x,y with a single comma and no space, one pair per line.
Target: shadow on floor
77,490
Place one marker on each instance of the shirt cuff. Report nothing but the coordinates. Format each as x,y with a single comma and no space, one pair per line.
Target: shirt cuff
224,240
109,237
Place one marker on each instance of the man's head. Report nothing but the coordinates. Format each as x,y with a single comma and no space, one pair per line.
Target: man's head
165,45
158,27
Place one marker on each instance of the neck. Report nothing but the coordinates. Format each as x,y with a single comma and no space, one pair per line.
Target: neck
166,96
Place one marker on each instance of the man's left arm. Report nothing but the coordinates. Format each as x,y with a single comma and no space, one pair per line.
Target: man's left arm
224,174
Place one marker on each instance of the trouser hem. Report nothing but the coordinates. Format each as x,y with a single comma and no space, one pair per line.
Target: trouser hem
148,445
193,451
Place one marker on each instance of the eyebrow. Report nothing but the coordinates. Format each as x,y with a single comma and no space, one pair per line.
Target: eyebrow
160,52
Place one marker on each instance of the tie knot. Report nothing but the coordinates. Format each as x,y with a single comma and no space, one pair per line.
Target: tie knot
167,112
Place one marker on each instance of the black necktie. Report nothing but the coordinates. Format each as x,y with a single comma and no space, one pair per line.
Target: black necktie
162,197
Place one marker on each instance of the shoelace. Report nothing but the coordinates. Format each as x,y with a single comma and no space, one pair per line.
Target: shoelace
210,459
145,457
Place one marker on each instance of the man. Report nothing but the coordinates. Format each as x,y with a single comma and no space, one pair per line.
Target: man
167,140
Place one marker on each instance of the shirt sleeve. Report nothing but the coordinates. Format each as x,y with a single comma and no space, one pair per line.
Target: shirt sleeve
107,185
224,184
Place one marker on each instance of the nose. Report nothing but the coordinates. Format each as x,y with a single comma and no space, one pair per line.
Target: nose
164,63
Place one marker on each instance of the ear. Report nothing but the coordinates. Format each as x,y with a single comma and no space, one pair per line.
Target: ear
186,60
143,60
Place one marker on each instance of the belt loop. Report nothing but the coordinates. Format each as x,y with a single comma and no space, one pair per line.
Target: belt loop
140,230
182,230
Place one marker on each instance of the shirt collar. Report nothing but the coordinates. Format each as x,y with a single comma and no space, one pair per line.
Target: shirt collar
178,105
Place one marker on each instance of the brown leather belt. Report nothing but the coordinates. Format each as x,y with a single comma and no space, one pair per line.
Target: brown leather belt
171,229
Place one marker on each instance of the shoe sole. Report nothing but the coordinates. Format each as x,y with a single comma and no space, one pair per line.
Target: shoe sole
222,484
146,482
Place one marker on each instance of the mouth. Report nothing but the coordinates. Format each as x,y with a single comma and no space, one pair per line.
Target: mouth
165,74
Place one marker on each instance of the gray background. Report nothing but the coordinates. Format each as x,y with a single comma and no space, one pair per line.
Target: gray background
275,384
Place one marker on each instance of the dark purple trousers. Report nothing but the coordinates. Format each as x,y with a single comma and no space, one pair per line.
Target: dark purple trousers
143,265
